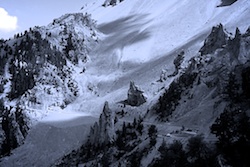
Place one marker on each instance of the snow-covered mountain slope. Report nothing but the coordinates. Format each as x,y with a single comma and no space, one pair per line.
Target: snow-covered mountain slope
143,38
167,24
91,57
147,32
214,82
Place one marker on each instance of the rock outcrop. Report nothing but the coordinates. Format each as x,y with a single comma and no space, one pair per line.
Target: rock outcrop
234,44
135,95
103,132
216,39
223,75
226,3
111,2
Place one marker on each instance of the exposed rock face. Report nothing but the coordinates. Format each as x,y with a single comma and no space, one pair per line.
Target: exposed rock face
177,63
104,131
222,75
234,44
227,2
135,95
247,32
215,40
111,2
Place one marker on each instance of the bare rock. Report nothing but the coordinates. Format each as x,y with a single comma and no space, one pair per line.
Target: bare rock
234,44
135,95
103,132
215,40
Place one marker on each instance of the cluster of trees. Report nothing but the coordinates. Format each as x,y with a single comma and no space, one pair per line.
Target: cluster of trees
245,74
232,129
73,47
14,127
170,99
128,133
26,57
152,133
21,80
123,148
196,153
232,88
5,52
69,49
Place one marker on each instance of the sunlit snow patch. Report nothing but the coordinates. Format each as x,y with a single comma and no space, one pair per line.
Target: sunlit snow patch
62,115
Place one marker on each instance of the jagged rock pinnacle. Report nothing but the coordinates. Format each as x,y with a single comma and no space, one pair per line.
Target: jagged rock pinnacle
135,95
215,40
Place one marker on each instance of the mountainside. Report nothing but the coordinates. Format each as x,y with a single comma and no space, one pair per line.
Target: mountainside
37,68
211,86
168,77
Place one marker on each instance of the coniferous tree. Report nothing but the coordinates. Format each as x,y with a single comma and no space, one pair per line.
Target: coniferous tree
199,153
152,133
172,155
246,82
232,128
232,88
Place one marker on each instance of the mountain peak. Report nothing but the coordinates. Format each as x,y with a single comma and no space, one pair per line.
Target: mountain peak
73,34
74,19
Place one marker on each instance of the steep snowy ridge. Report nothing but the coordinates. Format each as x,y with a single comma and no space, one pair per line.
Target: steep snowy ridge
77,30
